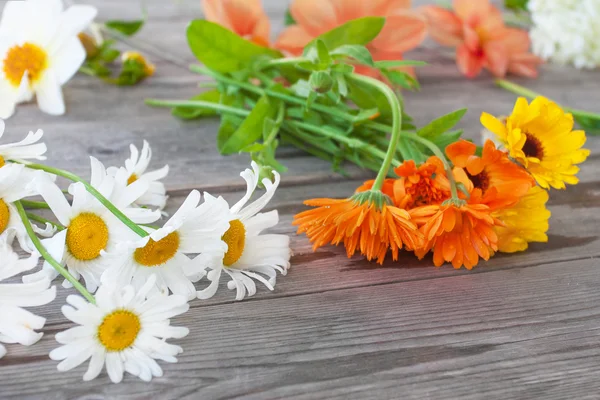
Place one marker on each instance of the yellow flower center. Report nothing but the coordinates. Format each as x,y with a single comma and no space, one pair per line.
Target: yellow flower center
87,235
158,253
119,330
2,162
4,216
533,147
132,179
235,237
26,58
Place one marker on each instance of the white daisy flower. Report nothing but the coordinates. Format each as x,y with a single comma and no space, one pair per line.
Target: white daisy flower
15,185
249,254
91,229
18,325
135,170
125,330
26,149
39,52
192,229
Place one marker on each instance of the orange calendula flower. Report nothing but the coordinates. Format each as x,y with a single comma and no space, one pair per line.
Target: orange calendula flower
501,181
525,222
244,17
404,29
458,234
416,186
476,29
366,223
540,137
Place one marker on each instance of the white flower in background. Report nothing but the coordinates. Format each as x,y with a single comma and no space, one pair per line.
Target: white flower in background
39,52
91,229
566,31
192,229
249,254
135,170
124,330
18,325
26,149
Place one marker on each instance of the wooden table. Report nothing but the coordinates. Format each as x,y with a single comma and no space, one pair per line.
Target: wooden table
519,326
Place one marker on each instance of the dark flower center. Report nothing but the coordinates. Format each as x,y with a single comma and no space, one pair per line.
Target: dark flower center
533,147
480,181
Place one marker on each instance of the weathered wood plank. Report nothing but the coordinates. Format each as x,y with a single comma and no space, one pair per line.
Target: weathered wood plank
517,333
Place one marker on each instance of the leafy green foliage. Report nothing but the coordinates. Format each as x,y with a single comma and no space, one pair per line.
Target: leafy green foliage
289,19
222,50
589,124
399,64
442,124
251,129
358,31
127,28
355,51
517,5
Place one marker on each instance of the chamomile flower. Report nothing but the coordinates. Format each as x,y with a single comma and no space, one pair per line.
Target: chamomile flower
14,186
125,331
90,228
26,149
249,254
18,325
192,229
39,52
135,170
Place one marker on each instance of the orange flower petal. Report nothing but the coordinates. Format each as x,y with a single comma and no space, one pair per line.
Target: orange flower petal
315,16
469,64
401,33
444,26
293,39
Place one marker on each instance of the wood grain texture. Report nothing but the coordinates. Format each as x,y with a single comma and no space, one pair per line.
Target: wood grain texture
519,326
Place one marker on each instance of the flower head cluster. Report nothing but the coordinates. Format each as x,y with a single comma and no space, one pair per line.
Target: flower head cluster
566,31
486,201
38,61
141,275
476,29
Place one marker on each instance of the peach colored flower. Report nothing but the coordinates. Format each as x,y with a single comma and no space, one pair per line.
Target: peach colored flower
404,30
477,31
244,17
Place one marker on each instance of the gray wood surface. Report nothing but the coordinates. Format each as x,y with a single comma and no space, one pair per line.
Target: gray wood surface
519,326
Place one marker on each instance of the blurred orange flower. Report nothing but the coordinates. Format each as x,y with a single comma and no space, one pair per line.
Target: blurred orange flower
502,182
404,29
477,31
244,17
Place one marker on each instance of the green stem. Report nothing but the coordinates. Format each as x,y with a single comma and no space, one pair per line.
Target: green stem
35,205
105,202
37,218
396,108
48,257
523,91
198,104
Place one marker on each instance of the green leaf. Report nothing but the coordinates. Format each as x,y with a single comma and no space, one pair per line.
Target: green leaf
226,130
127,28
213,96
399,63
401,79
318,53
366,98
447,138
590,125
222,50
357,52
132,72
253,148
517,5
358,31
342,86
442,124
289,19
251,129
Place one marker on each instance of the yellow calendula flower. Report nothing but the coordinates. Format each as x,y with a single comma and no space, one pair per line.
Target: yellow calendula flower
525,222
540,137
